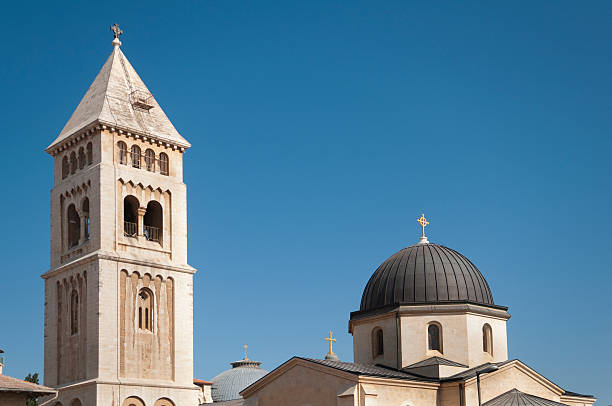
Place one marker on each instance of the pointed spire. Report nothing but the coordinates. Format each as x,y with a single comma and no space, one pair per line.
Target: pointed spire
118,98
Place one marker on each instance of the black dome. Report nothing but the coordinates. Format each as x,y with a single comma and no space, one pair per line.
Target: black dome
425,273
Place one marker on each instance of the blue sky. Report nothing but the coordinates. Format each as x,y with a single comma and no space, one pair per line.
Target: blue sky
321,130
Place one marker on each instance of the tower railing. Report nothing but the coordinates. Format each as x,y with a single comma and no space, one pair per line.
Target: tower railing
130,229
152,233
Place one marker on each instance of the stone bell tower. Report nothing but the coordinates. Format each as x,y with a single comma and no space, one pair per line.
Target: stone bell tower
119,291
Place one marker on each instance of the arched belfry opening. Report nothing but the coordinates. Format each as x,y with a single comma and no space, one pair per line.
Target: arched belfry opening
153,221
74,226
130,216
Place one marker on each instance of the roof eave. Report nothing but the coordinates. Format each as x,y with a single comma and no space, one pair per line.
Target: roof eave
97,124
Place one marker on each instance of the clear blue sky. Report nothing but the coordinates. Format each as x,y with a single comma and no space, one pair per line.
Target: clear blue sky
321,130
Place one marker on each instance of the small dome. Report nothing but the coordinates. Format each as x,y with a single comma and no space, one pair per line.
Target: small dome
228,385
425,273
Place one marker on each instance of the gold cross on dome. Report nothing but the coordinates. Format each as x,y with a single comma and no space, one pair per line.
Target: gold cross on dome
116,30
245,352
331,341
423,222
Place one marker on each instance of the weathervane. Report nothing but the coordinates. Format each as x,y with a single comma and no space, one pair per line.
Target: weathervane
423,222
116,30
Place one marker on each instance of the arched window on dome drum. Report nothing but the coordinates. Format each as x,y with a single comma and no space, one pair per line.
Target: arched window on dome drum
123,154
74,312
89,153
434,337
163,164
145,309
65,167
73,162
135,156
82,158
74,226
150,160
378,342
487,339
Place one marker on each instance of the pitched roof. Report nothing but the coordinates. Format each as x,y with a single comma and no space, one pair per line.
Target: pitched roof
10,384
470,373
435,361
515,397
369,370
110,100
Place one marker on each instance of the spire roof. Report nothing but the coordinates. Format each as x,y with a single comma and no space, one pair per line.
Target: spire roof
119,98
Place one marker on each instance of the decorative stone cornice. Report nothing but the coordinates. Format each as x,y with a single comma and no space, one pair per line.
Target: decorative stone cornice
97,255
100,126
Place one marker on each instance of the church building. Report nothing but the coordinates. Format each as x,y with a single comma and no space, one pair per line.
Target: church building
427,333
119,291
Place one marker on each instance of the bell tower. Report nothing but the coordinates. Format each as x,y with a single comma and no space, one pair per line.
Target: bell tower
119,291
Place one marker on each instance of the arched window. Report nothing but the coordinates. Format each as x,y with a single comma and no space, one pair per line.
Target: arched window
76,402
82,158
133,401
135,156
145,309
487,339
163,164
378,342
153,221
150,160
123,155
74,312
74,226
89,153
85,210
434,337
164,402
65,167
130,216
73,162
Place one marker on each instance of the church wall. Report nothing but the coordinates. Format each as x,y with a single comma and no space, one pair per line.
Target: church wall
69,354
123,180
398,394
301,386
414,338
476,355
507,378
449,394
363,340
146,354
84,183
115,395
13,399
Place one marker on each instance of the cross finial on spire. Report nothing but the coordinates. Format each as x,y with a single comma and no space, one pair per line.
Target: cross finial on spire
116,32
330,355
423,222
331,342
245,352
